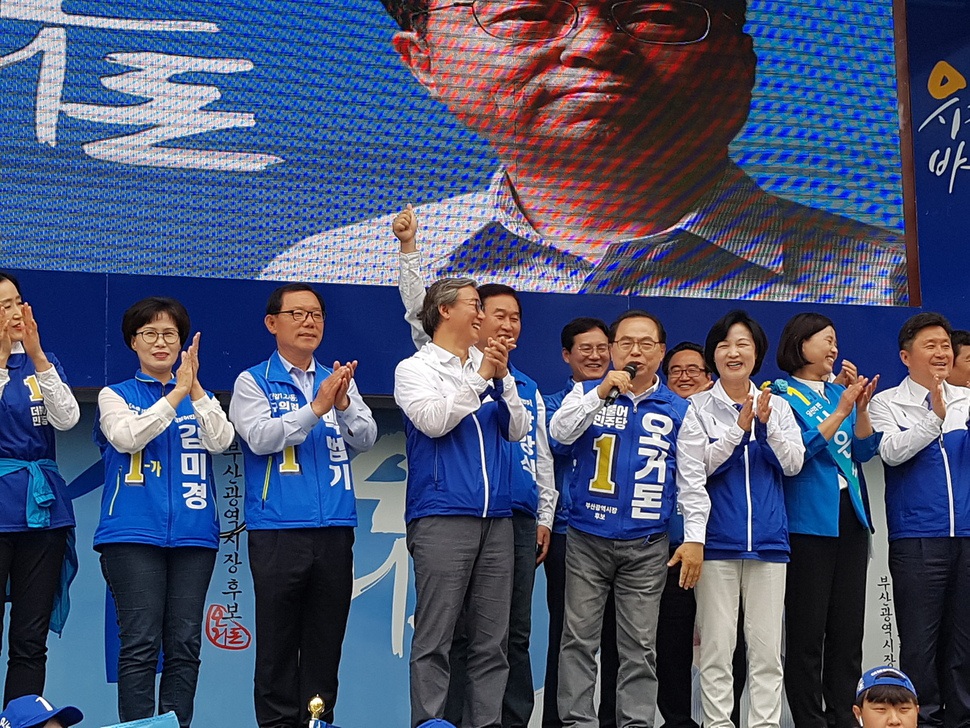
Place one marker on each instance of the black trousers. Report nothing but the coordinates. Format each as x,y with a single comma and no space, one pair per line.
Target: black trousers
555,566
825,600
32,561
675,652
303,580
931,591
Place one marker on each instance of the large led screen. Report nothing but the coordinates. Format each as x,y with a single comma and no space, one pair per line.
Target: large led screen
701,149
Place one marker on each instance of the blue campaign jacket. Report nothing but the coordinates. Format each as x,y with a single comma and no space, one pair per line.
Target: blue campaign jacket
465,472
25,435
748,517
562,459
309,485
919,492
522,455
624,483
163,495
928,495
812,496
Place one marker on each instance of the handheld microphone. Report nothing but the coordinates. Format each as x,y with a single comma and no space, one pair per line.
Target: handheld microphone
630,369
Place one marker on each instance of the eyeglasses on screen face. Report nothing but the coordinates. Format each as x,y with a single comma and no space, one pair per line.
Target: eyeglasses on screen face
669,22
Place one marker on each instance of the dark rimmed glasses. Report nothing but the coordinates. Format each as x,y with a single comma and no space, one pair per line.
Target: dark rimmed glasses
672,22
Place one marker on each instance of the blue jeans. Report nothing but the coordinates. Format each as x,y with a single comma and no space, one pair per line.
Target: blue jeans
159,595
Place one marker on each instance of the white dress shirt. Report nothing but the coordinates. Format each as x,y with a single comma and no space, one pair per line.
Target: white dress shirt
129,431
264,434
436,391
908,424
63,411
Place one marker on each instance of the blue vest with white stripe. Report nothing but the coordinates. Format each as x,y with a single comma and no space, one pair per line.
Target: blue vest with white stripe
303,486
164,494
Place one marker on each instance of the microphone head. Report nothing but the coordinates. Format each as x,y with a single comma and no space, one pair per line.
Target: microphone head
631,369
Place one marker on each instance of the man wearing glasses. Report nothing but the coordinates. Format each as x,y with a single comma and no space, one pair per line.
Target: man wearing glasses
297,421
586,351
461,409
612,122
626,480
685,370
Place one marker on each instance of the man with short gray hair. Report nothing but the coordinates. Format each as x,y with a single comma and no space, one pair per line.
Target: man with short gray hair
459,404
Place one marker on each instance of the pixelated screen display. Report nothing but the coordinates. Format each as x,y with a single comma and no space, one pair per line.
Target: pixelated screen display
659,148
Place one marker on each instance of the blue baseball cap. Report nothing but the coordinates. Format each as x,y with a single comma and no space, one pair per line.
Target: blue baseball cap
33,710
883,675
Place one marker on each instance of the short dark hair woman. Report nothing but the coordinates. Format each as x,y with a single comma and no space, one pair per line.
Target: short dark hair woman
159,529
36,515
829,522
741,442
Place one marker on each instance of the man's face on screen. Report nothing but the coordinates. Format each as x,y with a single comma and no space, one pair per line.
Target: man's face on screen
593,85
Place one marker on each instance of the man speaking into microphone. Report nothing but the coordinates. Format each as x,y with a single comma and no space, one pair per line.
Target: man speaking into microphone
623,433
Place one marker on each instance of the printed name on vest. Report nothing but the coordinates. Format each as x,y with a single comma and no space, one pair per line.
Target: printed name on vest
648,487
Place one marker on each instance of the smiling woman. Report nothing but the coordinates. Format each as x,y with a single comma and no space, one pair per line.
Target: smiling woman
746,442
35,511
159,530
829,523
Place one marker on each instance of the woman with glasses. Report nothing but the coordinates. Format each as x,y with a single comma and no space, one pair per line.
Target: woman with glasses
745,441
36,515
159,529
830,523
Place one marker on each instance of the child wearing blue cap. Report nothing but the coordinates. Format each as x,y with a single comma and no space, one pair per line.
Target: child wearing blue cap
32,711
884,698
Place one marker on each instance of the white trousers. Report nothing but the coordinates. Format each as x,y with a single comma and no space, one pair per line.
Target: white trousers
759,587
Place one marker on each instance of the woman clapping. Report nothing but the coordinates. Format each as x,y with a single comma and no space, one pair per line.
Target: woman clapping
159,529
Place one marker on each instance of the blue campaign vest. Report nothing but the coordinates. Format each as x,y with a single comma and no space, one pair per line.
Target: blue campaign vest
624,484
25,435
163,495
727,526
522,456
304,486
562,460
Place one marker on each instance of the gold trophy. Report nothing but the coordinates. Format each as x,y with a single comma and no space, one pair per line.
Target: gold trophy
316,707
